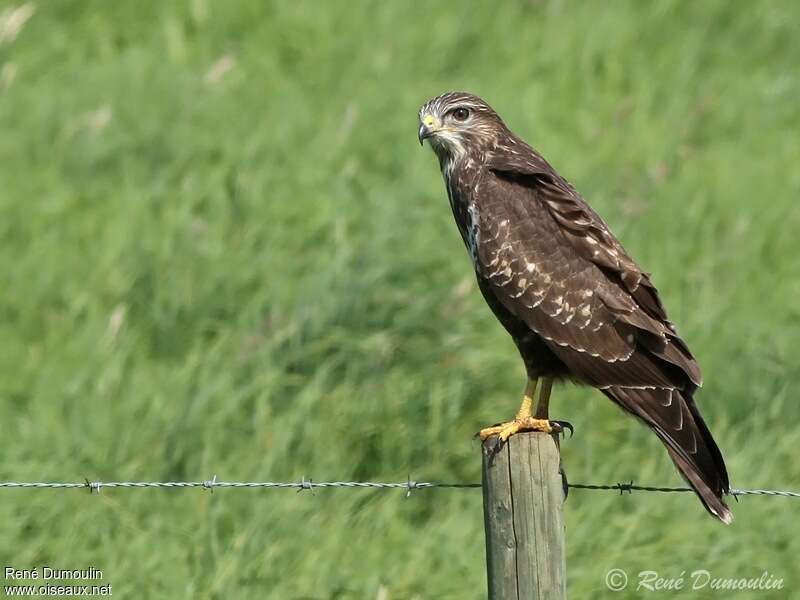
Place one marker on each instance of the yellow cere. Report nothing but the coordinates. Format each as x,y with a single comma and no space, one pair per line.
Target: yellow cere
429,121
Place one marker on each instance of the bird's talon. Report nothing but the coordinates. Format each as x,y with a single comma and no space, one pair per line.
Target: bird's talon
505,430
561,426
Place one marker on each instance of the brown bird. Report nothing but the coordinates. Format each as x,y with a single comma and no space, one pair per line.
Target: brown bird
576,305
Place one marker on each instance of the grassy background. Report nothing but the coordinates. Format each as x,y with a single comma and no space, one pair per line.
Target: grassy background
223,252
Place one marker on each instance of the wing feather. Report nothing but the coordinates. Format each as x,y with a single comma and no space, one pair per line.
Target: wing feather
599,313
575,254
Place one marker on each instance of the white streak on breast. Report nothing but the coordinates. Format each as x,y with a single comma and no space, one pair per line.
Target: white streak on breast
473,233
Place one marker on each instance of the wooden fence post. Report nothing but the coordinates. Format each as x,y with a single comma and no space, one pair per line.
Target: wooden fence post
523,496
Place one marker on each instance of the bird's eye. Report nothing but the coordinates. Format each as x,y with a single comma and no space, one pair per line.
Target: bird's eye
461,114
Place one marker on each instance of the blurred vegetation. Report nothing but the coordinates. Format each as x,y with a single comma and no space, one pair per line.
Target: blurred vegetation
225,253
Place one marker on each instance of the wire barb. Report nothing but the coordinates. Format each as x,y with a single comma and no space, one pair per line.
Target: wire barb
625,487
210,483
410,485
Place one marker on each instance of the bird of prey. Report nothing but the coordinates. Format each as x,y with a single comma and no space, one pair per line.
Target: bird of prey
575,303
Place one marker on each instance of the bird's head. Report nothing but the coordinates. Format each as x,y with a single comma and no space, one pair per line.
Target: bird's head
457,122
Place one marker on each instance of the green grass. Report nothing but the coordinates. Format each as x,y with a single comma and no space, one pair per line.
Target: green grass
255,274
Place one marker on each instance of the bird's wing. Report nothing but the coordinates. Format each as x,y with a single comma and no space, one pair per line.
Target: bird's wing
584,291
553,263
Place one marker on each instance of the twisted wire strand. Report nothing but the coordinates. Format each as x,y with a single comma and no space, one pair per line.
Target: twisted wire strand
308,484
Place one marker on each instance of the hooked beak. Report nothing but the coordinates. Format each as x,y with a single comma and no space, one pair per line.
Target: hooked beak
424,133
428,126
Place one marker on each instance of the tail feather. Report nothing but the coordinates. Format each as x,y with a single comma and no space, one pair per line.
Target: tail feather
711,498
675,419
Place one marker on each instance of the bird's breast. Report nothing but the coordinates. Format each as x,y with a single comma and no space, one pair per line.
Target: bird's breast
463,191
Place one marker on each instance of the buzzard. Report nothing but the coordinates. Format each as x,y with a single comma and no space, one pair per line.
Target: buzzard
575,303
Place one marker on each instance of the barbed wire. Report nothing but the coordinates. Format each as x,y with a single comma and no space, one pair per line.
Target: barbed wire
308,484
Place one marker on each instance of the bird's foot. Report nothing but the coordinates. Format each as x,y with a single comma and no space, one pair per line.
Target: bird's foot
520,424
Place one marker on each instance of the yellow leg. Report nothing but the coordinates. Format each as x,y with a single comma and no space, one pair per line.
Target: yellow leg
524,421
527,399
